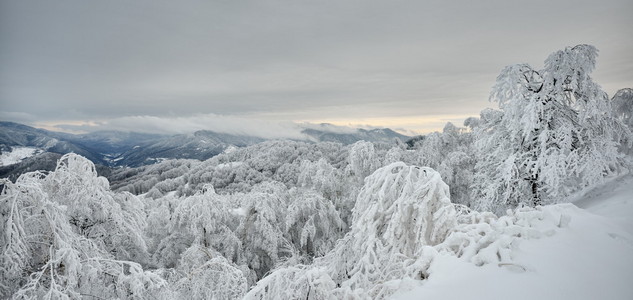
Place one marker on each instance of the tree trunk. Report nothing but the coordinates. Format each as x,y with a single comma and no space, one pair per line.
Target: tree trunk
536,199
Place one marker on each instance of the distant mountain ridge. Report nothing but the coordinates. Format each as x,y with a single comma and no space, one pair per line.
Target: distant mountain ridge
384,135
116,148
14,134
199,145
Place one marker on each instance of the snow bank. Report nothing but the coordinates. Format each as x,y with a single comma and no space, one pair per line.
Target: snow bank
567,253
614,200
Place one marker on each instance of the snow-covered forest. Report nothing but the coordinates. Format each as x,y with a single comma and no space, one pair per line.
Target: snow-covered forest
288,219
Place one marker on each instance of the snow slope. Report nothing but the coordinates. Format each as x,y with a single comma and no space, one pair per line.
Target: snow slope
17,155
613,200
591,257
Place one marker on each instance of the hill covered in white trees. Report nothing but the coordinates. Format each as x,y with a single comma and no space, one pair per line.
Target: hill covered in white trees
369,220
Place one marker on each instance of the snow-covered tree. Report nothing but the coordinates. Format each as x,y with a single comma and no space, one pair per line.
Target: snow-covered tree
322,177
115,219
163,243
400,209
623,107
207,218
554,133
312,223
362,159
263,227
450,153
64,234
209,276
331,183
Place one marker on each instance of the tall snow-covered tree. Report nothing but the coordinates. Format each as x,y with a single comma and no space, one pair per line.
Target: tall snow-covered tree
554,133
206,217
262,227
623,105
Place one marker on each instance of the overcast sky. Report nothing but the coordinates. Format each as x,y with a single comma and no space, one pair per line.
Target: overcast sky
407,65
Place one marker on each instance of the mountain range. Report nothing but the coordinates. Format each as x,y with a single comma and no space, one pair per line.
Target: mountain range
133,149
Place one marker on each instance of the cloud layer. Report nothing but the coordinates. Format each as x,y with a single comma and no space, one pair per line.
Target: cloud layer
223,124
179,125
286,61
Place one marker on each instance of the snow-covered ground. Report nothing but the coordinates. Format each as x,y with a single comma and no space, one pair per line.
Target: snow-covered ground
590,258
17,155
613,200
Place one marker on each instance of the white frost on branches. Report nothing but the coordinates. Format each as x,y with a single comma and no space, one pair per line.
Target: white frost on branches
67,231
399,210
555,133
404,220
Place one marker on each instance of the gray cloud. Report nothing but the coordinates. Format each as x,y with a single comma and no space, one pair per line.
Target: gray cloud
286,60
17,116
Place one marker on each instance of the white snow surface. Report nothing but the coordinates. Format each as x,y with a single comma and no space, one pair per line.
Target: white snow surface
586,253
17,155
